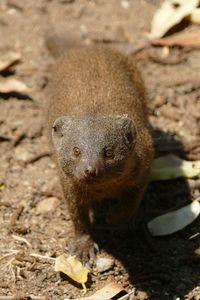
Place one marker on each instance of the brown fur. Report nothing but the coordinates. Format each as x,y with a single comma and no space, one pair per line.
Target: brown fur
89,81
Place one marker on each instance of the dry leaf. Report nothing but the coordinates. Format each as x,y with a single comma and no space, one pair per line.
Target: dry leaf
169,14
72,267
181,39
13,85
171,166
9,61
106,293
195,16
175,220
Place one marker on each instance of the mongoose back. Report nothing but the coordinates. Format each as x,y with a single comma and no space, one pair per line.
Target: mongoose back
98,128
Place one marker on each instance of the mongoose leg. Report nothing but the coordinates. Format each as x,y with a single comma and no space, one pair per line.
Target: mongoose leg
82,246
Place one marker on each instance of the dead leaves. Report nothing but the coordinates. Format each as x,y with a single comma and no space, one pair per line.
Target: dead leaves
171,167
108,292
11,85
73,268
174,221
170,14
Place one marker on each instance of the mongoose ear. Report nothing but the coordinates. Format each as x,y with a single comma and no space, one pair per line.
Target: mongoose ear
59,125
129,131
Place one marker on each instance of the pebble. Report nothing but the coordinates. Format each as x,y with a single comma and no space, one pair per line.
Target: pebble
21,154
104,264
47,205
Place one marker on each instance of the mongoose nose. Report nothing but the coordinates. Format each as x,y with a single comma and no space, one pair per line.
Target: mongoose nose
90,172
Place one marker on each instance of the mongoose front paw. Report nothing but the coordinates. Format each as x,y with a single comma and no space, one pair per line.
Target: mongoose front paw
83,248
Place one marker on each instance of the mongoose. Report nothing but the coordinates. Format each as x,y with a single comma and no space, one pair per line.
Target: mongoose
98,128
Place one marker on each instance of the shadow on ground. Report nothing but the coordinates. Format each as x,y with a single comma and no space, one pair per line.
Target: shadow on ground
157,265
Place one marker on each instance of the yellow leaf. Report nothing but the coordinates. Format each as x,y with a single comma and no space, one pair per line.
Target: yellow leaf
170,167
72,267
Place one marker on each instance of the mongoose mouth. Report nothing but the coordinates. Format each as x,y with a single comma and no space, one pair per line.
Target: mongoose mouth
90,178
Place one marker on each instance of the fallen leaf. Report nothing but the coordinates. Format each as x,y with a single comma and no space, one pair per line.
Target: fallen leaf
73,268
175,220
11,59
195,16
181,39
13,85
108,292
169,14
171,166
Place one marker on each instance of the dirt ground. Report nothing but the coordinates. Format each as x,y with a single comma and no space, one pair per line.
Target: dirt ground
33,216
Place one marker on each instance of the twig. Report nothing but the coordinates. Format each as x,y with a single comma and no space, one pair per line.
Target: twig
16,215
7,297
21,239
194,236
42,256
37,157
9,254
4,138
33,297
18,138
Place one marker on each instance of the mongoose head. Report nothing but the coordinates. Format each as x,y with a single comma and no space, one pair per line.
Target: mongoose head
94,147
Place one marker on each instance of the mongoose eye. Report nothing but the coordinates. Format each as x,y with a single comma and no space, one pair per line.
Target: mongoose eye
77,151
109,153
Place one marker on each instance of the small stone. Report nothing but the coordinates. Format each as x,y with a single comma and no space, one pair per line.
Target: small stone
125,4
104,264
21,154
142,295
47,205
